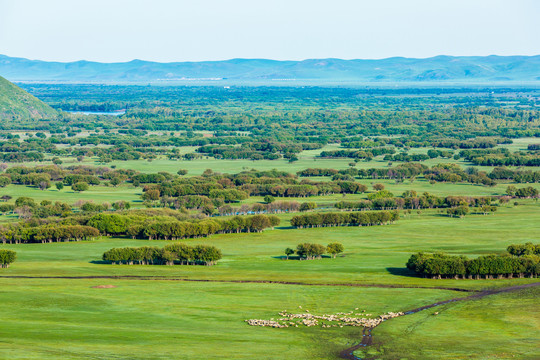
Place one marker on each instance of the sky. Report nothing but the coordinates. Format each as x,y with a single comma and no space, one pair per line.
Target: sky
196,30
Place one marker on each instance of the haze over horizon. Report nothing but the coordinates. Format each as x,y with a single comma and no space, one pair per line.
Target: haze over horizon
209,30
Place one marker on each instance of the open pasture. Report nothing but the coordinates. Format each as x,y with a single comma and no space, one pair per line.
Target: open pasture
158,317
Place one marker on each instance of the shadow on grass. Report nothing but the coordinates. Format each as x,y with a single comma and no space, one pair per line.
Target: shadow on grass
401,272
296,257
99,262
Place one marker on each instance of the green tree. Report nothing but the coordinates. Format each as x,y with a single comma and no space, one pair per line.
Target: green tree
334,249
7,257
115,181
511,190
151,195
306,206
288,252
269,199
80,186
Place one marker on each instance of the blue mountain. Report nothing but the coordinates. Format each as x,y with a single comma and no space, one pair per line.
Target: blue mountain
467,69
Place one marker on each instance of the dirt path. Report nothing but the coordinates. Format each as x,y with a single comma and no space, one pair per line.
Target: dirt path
147,278
367,339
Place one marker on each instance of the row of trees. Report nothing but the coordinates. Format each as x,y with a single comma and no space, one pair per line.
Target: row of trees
232,192
440,173
178,253
523,249
166,227
357,154
440,265
411,200
522,193
7,257
144,224
519,176
21,234
344,219
402,171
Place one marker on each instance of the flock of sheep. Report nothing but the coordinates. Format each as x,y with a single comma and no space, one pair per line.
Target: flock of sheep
337,320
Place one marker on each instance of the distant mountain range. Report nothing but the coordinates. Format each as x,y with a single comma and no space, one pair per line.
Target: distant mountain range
466,69
17,104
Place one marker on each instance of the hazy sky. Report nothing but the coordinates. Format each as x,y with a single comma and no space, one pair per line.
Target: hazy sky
161,30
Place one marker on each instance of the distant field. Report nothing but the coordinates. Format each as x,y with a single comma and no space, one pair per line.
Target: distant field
127,192
306,159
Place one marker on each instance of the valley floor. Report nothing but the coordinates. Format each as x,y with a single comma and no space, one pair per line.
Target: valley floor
52,308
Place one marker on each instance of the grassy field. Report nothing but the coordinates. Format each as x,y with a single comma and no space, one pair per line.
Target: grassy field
306,159
504,332
164,320
52,318
127,192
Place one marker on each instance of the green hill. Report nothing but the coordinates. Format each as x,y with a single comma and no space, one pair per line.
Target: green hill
15,103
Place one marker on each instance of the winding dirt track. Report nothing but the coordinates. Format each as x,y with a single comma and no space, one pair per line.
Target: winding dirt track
367,339
154,278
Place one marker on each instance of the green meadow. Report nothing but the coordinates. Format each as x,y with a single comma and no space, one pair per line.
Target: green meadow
153,313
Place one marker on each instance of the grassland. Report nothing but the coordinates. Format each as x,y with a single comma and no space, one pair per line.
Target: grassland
127,192
160,318
506,325
306,159
164,320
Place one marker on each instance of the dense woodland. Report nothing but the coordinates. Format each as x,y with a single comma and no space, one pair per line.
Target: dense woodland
273,123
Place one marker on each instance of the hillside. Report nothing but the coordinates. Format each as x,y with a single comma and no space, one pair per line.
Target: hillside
15,103
466,69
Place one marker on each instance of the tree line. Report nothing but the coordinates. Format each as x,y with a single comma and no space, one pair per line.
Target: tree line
384,200
171,254
167,227
520,261
344,219
140,224
23,234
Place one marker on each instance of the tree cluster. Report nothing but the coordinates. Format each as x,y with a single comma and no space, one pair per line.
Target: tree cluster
178,253
364,218
21,234
169,228
440,265
310,251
